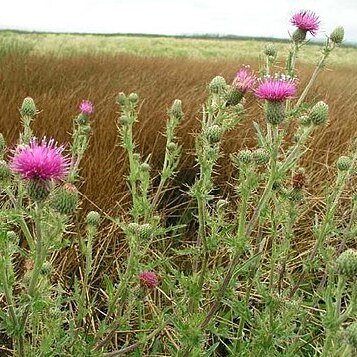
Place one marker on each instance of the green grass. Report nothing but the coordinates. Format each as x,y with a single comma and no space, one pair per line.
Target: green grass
63,45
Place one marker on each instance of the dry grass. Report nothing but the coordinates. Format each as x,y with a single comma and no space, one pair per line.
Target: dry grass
58,85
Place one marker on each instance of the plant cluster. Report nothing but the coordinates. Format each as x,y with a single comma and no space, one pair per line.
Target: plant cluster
225,278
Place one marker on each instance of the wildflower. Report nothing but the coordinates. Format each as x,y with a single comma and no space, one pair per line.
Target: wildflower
244,80
276,88
305,21
86,107
43,161
148,279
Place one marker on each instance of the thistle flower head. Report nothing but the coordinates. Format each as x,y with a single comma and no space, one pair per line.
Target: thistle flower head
86,107
40,161
276,89
307,21
148,279
244,79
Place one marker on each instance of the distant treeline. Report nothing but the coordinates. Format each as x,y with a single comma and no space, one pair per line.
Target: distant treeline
208,36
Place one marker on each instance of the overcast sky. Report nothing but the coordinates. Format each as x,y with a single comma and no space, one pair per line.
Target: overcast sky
266,18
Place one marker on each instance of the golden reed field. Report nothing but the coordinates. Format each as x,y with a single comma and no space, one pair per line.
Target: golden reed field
59,84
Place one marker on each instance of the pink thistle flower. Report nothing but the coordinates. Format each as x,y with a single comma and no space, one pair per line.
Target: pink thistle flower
40,162
276,89
306,21
244,79
148,279
86,107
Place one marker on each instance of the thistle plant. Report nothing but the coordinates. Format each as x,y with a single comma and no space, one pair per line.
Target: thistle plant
235,276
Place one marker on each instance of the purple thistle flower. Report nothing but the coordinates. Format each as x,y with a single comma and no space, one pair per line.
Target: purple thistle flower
244,79
86,107
148,279
276,89
306,21
40,162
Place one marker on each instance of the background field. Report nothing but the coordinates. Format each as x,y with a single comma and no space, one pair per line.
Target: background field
58,71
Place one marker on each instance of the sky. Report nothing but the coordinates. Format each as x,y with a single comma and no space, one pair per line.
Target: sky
263,18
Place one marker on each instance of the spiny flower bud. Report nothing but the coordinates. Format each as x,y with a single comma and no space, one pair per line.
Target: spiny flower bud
176,109
38,189
347,263
46,268
65,199
82,119
133,98
93,219
213,134
305,120
144,231
344,163
275,112
261,156
319,113
145,167
244,156
233,96
351,335
270,50
172,147
217,85
12,237
148,279
121,98
124,120
337,35
28,107
299,35
5,172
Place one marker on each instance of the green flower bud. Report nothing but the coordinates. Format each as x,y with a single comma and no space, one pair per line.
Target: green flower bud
275,112
270,50
176,109
65,199
344,163
347,263
133,228
124,120
233,96
82,119
337,35
245,156
217,85
38,190
5,172
145,231
299,35
93,219
261,156
28,107
305,120
12,237
351,334
172,147
46,268
121,98
213,134
145,167
319,113
133,98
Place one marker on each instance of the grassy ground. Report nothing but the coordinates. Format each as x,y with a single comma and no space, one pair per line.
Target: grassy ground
64,45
